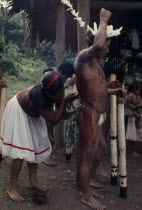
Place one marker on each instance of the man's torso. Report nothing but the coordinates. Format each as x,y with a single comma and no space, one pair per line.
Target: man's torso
91,84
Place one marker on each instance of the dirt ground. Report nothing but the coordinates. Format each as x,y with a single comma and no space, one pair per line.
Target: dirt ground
63,195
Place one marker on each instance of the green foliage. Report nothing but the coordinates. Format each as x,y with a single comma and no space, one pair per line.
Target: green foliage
8,65
14,30
47,53
71,56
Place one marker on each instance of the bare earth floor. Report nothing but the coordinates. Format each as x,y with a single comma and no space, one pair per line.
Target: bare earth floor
63,195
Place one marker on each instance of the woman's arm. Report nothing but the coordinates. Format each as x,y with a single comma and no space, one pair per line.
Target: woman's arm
54,116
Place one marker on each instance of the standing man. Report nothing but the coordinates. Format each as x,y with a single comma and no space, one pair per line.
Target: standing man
92,88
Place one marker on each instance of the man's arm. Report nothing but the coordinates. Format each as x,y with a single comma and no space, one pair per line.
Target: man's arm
118,92
70,82
135,99
100,38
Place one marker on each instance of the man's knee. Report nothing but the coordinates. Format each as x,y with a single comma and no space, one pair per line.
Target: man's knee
86,156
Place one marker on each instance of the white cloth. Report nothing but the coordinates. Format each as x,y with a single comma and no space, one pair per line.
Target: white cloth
132,132
101,120
22,136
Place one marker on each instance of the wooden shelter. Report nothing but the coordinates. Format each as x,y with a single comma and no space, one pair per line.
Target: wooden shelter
43,14
49,21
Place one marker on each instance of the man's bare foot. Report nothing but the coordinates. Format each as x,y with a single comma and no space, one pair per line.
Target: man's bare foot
15,195
97,185
36,185
92,203
50,162
135,154
95,195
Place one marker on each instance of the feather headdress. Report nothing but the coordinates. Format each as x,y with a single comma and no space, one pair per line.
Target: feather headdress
4,4
110,31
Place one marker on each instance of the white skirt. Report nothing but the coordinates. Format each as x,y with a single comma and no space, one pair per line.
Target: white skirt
22,136
132,132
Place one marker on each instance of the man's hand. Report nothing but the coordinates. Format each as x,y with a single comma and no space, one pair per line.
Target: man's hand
113,84
105,15
119,92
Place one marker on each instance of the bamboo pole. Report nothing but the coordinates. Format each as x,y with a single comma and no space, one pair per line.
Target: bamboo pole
113,135
122,149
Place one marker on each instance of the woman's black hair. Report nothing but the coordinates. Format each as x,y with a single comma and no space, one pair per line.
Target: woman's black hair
109,68
37,95
66,68
91,37
38,98
47,70
54,88
134,86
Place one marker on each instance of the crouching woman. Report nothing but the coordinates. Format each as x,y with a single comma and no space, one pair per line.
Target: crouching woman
24,134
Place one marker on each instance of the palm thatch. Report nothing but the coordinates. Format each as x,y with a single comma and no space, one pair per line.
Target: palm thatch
39,14
42,19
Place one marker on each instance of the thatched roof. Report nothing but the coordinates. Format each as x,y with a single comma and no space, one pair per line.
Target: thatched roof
42,16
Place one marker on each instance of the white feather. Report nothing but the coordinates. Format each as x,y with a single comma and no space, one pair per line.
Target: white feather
110,31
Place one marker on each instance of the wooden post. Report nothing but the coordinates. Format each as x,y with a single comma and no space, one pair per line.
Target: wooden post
113,135
2,104
83,7
60,57
122,150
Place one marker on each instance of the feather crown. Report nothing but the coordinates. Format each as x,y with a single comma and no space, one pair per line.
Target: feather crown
110,31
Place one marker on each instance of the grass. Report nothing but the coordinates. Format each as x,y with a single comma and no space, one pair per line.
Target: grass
29,76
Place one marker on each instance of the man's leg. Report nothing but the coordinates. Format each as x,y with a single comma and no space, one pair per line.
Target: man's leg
32,168
99,154
15,171
87,126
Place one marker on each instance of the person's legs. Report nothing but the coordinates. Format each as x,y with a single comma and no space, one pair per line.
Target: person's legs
134,153
48,161
33,183
137,119
88,120
15,171
99,154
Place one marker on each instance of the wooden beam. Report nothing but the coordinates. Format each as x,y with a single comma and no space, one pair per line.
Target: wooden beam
117,6
83,6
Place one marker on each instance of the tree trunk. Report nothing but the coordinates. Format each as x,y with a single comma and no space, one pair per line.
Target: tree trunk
83,7
60,35
60,57
24,26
